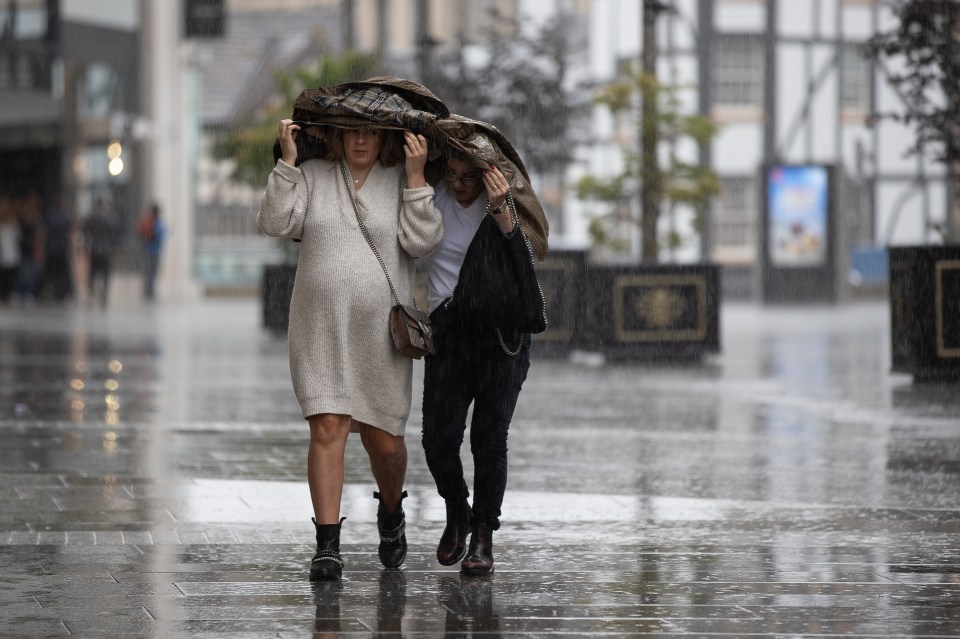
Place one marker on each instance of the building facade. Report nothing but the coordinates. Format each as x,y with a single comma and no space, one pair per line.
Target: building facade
788,82
68,90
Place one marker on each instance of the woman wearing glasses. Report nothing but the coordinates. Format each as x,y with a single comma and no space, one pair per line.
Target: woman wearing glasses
479,359
347,375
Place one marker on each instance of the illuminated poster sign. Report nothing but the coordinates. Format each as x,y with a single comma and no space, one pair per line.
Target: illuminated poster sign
797,210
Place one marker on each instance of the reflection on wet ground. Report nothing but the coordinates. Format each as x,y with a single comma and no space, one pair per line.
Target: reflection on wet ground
151,484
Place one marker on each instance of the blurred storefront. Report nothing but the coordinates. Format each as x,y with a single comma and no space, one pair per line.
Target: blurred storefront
68,95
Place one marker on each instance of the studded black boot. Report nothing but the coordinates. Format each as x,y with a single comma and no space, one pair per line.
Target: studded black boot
453,541
393,538
327,565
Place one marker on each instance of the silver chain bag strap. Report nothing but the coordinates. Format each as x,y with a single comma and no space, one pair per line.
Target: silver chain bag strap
409,326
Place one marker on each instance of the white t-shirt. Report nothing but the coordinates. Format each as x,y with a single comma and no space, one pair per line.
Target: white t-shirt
460,224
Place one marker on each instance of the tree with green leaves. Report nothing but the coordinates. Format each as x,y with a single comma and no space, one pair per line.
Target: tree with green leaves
249,144
926,44
665,174
521,87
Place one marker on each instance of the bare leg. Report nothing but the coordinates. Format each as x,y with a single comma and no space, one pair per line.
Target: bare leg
388,461
328,442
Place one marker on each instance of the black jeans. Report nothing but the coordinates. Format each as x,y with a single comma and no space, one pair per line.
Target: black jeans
470,366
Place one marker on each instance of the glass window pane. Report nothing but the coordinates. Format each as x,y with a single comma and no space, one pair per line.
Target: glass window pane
854,77
738,70
23,19
734,216
99,91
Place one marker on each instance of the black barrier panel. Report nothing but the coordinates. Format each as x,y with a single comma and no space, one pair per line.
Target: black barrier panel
903,329
624,311
558,285
948,308
652,311
925,311
561,280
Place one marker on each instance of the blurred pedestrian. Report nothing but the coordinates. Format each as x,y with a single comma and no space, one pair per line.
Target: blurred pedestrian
346,373
32,241
58,245
483,352
9,249
152,233
100,235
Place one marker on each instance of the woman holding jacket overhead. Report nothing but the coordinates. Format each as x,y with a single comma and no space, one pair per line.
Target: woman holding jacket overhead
484,302
347,376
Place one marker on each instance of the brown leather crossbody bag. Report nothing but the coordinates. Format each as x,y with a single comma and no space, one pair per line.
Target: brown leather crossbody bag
409,326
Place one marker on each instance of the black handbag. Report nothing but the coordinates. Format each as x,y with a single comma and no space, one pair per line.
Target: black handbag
498,283
409,326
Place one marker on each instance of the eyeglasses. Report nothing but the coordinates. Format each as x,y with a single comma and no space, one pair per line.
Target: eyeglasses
466,179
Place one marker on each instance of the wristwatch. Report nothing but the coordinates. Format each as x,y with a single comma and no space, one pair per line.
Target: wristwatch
500,209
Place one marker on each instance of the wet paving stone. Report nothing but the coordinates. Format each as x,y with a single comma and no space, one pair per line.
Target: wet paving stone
152,485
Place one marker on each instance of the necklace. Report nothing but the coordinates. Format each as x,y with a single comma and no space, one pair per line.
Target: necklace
356,181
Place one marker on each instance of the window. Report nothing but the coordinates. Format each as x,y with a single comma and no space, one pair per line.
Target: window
735,214
23,19
23,23
854,77
98,91
738,70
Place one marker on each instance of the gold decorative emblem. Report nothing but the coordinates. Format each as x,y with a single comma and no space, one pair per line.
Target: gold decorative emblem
660,307
673,307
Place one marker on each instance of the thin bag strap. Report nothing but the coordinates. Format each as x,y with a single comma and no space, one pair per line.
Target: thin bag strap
516,221
366,235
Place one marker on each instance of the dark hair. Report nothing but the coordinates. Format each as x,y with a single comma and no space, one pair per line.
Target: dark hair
456,154
453,153
391,146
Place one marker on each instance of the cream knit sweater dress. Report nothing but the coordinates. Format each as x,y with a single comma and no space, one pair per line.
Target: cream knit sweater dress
342,358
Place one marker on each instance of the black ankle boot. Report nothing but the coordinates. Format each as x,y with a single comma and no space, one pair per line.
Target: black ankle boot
453,541
327,565
479,560
393,538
